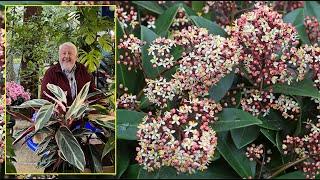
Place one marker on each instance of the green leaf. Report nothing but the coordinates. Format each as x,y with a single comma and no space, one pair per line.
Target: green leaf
132,171
231,118
33,103
188,10
70,148
212,27
218,91
197,6
108,147
150,5
96,159
43,116
311,8
10,168
244,136
79,100
90,38
165,20
213,172
279,142
271,135
292,175
303,33
148,36
144,102
104,44
236,158
301,88
123,158
57,92
272,121
295,17
127,122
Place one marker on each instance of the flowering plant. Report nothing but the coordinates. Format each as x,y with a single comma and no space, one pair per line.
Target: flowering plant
16,94
196,99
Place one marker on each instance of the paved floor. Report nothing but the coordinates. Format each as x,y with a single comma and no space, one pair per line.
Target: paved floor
26,158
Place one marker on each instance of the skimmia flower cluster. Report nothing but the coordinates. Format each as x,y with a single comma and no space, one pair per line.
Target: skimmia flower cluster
14,92
257,102
223,9
127,101
181,21
131,47
313,29
127,15
160,91
263,35
150,20
181,138
257,153
287,6
160,50
287,106
307,148
208,59
206,64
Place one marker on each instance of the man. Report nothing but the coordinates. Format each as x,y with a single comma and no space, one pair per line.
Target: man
68,74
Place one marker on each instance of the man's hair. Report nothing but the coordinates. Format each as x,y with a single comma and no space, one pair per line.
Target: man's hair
69,44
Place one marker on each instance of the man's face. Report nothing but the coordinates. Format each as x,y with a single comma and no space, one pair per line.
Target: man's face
67,57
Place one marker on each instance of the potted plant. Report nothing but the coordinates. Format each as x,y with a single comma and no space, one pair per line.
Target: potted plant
67,144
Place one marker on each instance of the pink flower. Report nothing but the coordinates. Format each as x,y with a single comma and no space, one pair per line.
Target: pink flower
15,91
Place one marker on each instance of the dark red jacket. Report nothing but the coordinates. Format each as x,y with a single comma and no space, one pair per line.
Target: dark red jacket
54,75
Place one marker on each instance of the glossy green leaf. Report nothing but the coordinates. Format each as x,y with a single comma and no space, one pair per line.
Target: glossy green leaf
272,121
95,159
165,20
33,103
218,171
303,34
57,92
43,116
148,36
70,148
132,171
212,27
311,8
236,158
150,5
110,145
189,12
292,175
218,91
197,6
127,122
244,136
90,38
301,88
122,157
231,118
270,134
294,17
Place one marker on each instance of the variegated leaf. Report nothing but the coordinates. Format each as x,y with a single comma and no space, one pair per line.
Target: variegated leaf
43,116
33,103
81,97
70,148
58,92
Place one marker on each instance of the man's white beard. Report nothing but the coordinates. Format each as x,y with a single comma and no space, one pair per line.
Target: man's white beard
66,65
